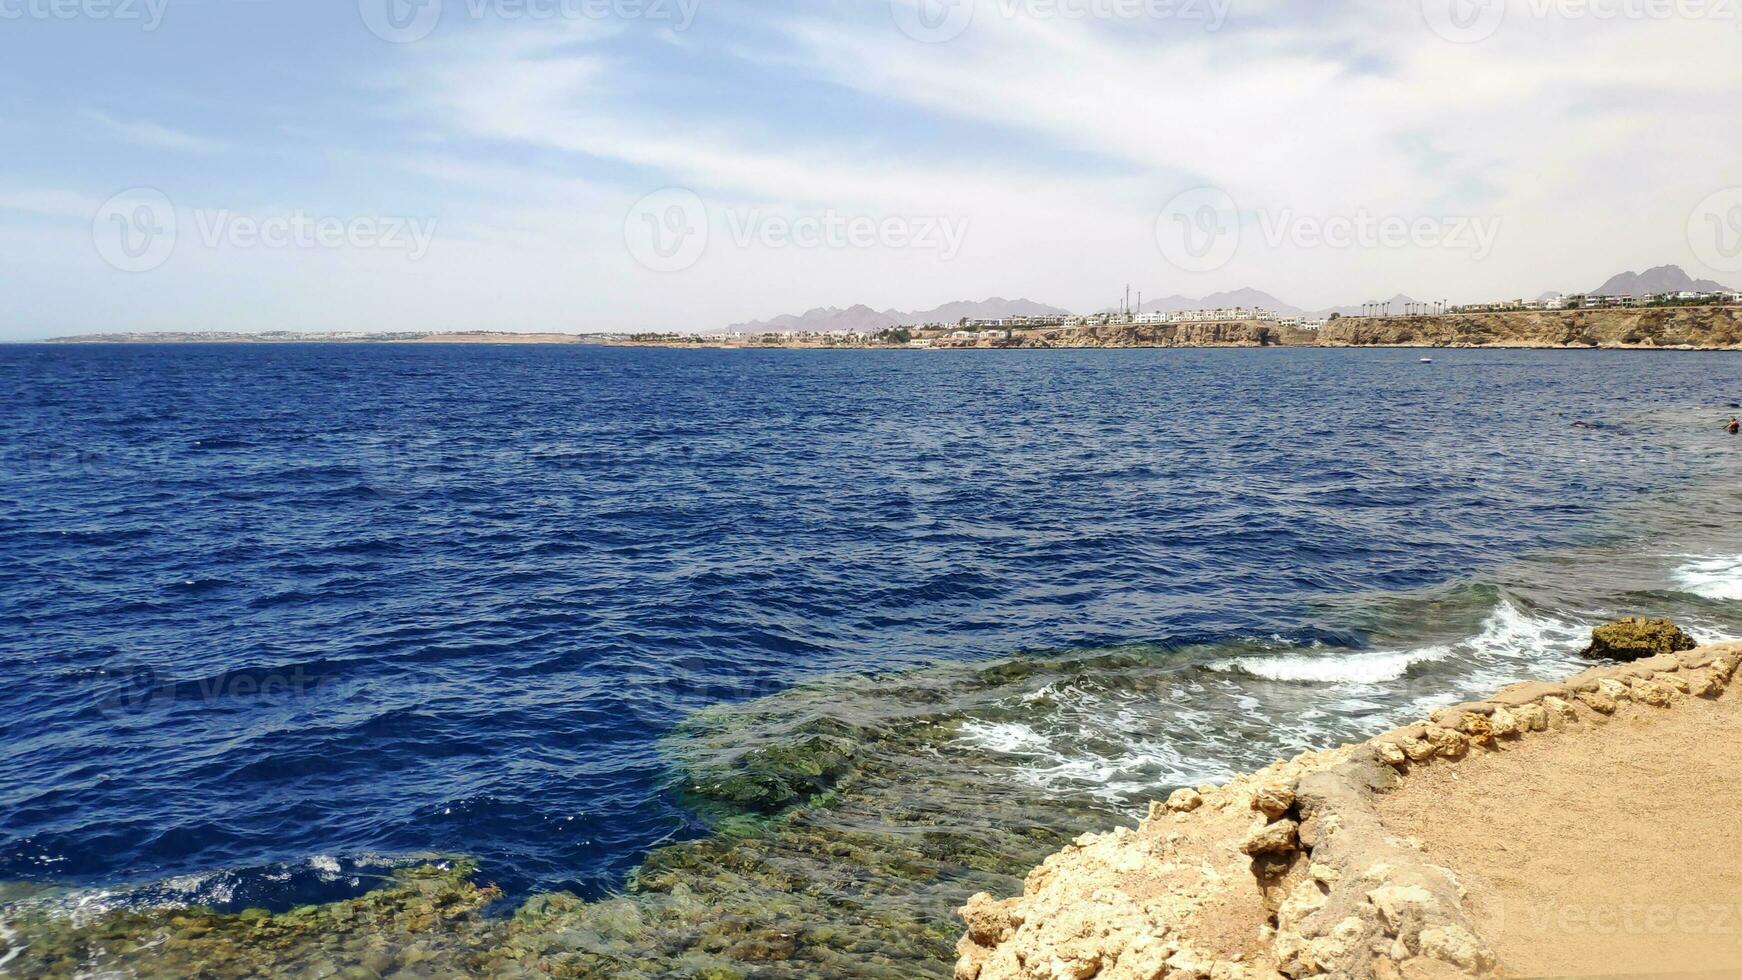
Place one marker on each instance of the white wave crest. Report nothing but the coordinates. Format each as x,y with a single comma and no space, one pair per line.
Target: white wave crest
1507,635
1333,668
1712,578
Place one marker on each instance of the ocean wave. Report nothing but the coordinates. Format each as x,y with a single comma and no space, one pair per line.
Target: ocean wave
1334,668
1712,578
280,884
1507,634
1128,732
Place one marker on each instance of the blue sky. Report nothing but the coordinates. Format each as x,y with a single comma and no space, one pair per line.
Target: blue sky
529,143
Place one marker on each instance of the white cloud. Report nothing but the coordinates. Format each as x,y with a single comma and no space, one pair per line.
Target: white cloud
140,132
1589,142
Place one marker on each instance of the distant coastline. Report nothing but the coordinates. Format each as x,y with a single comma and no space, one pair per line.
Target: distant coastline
1704,327
335,337
1707,327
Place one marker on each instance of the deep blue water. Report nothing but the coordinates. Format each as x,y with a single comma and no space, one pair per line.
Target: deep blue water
265,604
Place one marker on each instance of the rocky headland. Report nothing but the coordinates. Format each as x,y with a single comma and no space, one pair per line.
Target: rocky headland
1652,327
1573,828
1673,328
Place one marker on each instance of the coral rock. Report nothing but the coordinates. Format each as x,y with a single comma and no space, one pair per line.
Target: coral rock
1636,639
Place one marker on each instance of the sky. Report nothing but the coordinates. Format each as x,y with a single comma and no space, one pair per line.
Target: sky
606,165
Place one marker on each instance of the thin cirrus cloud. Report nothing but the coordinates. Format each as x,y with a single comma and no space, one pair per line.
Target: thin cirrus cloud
144,133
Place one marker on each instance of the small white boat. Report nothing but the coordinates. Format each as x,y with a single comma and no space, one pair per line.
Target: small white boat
1427,360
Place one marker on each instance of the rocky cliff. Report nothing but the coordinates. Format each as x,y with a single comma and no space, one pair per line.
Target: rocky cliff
1699,326
1237,333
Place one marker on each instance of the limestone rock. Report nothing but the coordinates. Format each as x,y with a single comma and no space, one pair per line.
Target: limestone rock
1273,801
1448,743
1531,717
1636,639
1504,723
1479,727
1613,688
1702,684
1403,908
1560,711
1185,800
989,921
1454,945
1654,693
1280,837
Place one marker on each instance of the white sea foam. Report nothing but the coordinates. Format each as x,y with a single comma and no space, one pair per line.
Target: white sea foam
1090,734
6,938
1333,668
1006,737
1508,637
327,866
1714,577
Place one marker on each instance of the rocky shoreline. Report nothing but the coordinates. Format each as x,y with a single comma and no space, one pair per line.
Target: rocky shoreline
1291,871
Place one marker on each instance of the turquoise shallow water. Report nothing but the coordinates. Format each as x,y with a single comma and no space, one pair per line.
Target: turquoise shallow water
279,619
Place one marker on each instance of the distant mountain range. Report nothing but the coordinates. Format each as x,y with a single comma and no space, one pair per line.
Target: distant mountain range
864,319
1248,298
1663,279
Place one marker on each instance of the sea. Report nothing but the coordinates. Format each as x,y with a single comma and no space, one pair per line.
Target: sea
275,618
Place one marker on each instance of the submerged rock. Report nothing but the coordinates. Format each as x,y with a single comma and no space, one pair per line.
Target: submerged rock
1637,639
773,778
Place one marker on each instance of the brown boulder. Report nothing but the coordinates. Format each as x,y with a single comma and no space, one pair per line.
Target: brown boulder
1637,639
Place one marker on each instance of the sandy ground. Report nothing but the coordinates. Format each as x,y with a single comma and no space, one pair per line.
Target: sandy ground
1611,849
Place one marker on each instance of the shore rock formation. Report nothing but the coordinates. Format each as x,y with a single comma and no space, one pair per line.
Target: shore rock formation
1289,872
1636,639
1698,326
